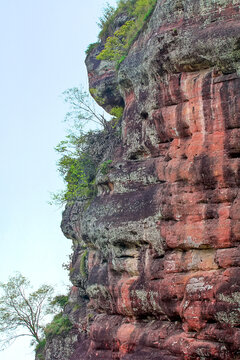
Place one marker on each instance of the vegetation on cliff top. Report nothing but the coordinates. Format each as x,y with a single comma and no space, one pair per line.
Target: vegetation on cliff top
138,10
118,41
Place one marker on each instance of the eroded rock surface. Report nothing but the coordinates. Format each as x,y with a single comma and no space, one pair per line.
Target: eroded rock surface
163,276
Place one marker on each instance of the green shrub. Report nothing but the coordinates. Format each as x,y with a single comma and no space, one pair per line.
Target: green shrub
40,357
117,45
60,300
79,176
94,93
119,61
78,160
77,168
76,307
104,167
117,112
91,47
39,349
148,14
60,325
126,6
106,20
41,345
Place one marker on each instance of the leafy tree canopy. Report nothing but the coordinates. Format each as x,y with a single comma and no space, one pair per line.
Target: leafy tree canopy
23,312
78,164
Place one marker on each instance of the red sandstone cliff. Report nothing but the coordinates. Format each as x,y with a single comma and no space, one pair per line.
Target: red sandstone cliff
163,233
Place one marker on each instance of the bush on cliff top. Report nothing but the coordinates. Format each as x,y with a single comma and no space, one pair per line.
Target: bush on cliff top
117,45
106,21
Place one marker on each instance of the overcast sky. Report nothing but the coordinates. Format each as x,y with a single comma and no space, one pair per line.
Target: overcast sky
42,46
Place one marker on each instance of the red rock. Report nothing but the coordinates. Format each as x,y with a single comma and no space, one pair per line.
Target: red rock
164,276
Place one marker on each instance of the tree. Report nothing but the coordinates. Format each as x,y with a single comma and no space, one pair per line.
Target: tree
118,44
82,108
75,165
78,162
22,312
77,168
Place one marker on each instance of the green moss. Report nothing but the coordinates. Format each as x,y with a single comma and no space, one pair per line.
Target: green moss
88,203
118,43
94,93
72,269
76,307
40,349
122,58
60,325
40,357
117,112
40,346
83,264
104,167
90,316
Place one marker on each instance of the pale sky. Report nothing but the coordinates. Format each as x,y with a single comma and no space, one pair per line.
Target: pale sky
42,46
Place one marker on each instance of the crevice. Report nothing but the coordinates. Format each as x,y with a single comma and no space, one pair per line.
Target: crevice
144,115
156,279
125,256
136,156
176,317
234,155
157,256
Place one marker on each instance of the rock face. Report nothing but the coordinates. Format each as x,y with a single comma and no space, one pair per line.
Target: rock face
163,234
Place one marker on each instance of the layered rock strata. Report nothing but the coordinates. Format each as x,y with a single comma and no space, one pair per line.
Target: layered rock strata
163,277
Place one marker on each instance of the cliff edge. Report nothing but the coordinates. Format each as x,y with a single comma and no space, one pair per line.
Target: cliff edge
156,264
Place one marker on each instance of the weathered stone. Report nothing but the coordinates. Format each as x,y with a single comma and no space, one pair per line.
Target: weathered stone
163,233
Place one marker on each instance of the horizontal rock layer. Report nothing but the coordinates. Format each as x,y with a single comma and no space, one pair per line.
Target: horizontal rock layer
163,233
